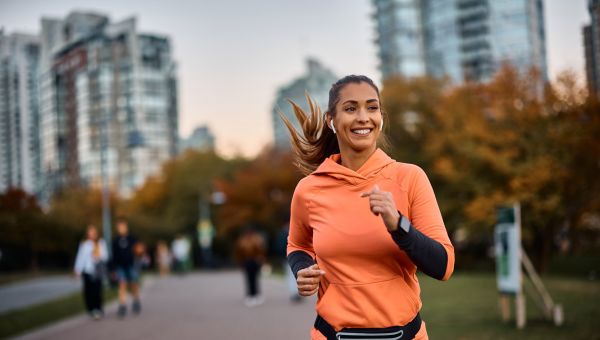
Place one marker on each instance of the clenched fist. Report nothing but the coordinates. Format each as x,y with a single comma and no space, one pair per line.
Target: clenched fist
382,204
308,280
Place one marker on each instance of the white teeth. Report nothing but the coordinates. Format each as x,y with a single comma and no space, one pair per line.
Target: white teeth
362,132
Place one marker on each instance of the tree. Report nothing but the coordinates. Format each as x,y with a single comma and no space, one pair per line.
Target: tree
259,194
489,144
168,203
21,225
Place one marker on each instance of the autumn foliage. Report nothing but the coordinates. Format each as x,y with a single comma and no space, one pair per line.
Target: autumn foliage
511,139
514,138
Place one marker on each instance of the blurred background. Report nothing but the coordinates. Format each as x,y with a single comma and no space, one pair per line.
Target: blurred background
166,114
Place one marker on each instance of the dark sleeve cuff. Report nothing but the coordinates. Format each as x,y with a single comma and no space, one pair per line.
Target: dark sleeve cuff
299,260
427,254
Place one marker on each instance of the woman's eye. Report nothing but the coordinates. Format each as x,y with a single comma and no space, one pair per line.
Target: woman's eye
350,109
373,107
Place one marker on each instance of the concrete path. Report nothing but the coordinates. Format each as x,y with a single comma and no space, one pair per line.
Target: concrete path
31,292
197,306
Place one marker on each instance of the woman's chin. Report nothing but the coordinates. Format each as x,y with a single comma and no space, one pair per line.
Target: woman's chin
363,146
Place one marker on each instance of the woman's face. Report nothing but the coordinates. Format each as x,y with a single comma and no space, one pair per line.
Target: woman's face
92,234
358,117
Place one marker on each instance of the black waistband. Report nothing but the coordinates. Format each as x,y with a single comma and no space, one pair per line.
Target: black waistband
407,331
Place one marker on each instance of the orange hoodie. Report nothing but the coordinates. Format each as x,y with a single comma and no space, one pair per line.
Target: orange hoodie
369,281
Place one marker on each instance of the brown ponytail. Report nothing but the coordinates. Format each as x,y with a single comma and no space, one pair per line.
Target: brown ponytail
317,141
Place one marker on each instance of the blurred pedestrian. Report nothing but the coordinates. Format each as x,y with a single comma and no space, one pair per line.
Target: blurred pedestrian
181,253
250,254
123,261
361,223
90,265
163,258
281,249
141,260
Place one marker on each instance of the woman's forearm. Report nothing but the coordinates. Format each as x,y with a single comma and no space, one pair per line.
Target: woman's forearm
427,254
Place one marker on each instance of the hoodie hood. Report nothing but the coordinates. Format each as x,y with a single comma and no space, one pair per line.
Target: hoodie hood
331,167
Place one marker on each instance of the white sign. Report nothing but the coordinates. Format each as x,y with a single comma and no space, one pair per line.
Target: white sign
507,239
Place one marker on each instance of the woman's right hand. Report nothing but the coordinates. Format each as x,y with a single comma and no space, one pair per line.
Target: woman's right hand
308,280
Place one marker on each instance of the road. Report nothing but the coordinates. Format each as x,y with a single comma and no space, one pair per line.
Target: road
197,306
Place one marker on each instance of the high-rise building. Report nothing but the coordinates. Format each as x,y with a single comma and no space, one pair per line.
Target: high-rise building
591,39
202,139
462,39
316,82
108,97
19,112
400,37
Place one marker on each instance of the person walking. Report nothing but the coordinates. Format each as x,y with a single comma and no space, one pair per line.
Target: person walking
90,265
123,262
250,254
181,253
163,258
361,223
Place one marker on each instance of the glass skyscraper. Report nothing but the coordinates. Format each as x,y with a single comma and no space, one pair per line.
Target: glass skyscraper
108,97
466,40
19,112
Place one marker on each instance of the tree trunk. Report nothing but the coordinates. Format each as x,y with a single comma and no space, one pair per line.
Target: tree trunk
543,248
33,264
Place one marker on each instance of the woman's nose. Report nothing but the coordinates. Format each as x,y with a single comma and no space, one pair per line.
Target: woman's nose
362,115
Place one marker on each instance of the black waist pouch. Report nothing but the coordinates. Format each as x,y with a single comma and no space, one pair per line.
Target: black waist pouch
407,331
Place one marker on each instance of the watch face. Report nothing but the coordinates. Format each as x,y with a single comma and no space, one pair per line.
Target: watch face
405,224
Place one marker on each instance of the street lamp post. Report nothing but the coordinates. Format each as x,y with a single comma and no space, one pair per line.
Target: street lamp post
106,222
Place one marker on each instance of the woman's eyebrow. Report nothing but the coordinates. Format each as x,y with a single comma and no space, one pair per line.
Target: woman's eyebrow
374,100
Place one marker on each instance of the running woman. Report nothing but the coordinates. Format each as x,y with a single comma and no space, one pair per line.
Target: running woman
361,222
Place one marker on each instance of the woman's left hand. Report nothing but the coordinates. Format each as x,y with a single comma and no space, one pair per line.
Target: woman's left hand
382,203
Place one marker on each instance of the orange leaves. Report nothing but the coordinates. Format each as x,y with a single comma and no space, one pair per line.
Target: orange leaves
486,144
259,193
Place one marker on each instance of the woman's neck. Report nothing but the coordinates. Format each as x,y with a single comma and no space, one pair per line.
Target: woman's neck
355,159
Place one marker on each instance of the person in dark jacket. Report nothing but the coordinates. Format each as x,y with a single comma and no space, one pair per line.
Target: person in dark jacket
250,254
123,263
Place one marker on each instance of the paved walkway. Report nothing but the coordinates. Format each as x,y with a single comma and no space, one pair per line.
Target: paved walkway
31,292
197,306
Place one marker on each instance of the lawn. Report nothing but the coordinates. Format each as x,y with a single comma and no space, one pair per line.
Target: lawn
12,277
466,307
19,321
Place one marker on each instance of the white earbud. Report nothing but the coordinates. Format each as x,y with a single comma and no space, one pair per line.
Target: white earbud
332,127
381,126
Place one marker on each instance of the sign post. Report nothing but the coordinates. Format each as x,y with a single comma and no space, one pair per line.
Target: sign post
507,240
509,276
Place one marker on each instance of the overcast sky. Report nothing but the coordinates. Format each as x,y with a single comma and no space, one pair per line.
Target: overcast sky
232,55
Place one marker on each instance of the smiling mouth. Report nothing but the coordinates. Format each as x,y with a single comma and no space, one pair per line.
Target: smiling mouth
361,131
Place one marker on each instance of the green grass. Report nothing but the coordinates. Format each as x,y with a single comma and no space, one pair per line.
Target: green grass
26,319
466,307
7,278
